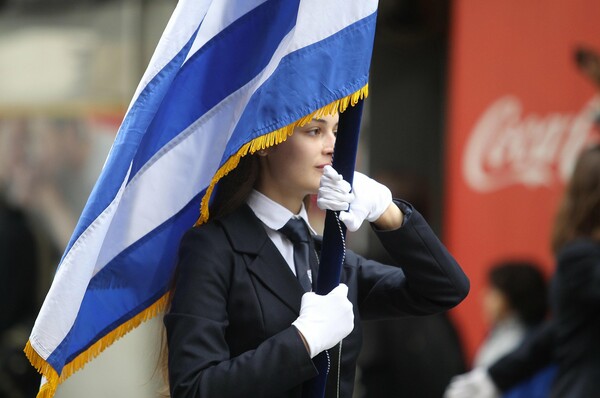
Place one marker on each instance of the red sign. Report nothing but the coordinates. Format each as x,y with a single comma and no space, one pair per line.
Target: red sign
520,111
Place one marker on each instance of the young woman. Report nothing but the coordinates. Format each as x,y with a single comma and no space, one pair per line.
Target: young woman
240,322
570,338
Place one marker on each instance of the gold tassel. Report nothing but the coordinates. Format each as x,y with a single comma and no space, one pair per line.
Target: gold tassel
274,138
46,391
53,379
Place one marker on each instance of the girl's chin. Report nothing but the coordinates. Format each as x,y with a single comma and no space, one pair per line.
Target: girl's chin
312,192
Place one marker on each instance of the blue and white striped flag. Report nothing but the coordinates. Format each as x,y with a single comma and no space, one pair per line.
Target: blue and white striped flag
228,77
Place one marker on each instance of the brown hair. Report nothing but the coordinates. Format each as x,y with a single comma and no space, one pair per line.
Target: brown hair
524,286
230,193
579,212
232,190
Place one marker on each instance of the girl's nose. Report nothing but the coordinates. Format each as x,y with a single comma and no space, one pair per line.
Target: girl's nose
329,141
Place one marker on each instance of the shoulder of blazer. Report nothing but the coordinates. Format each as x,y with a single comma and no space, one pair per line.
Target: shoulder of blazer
244,230
579,250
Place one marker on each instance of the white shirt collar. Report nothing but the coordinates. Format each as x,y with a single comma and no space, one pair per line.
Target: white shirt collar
271,213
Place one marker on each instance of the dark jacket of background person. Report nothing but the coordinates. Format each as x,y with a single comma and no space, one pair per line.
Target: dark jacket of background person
18,284
235,299
516,305
572,337
409,357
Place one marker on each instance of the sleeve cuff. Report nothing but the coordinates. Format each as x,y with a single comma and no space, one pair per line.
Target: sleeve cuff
406,209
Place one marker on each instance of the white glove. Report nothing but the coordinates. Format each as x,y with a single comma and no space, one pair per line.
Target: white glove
325,320
474,384
334,192
371,199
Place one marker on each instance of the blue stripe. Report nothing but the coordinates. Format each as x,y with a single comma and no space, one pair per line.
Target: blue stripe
299,86
127,141
223,65
129,284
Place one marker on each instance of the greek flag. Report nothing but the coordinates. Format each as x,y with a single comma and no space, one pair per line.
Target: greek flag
228,77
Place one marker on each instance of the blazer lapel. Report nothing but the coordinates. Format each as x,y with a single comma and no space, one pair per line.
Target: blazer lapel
247,235
272,270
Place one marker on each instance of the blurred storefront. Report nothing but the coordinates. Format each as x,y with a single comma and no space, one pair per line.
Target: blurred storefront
520,111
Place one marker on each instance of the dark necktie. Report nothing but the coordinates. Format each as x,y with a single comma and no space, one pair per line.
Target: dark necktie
296,231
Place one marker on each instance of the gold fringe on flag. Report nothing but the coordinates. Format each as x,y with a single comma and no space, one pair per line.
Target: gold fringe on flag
53,379
273,138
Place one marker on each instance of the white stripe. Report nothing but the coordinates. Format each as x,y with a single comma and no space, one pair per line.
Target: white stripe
318,19
182,24
314,19
309,27
220,15
59,311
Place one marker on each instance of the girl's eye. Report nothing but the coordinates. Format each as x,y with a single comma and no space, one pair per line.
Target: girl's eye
335,133
312,132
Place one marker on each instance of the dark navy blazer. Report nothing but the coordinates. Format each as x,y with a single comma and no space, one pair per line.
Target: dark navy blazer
229,327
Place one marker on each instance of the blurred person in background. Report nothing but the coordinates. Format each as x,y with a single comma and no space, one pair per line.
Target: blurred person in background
514,303
587,61
42,164
570,337
18,304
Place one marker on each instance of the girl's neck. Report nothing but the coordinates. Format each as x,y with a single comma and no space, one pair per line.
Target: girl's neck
290,202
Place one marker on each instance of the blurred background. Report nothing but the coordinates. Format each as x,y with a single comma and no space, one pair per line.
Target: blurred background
476,112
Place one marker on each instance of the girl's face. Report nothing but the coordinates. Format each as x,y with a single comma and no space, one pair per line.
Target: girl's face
293,169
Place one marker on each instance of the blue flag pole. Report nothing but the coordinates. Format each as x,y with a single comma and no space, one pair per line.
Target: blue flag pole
334,233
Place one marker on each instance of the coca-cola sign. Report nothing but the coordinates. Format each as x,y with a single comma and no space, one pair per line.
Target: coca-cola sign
507,147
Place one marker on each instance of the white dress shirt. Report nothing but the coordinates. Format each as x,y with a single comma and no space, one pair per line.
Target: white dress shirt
504,337
274,216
